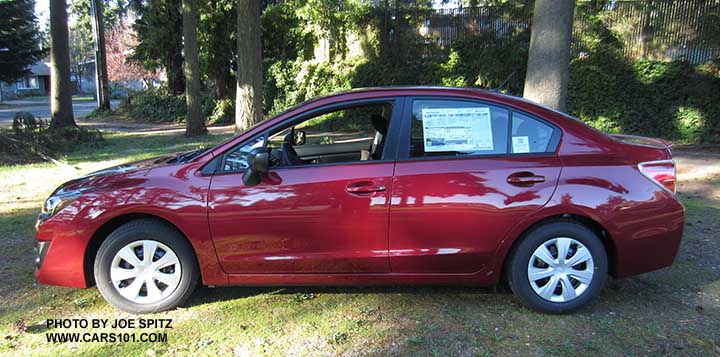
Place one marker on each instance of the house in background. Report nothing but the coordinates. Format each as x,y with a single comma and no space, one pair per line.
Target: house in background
83,77
37,83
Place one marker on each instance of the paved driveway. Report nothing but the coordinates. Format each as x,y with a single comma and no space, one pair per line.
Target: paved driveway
42,109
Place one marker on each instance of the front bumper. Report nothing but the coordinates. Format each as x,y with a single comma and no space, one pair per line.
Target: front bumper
41,249
60,254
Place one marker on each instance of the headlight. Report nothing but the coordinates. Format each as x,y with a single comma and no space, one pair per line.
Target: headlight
57,202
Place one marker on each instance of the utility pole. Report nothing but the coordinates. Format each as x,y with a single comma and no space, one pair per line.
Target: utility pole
3,49
101,76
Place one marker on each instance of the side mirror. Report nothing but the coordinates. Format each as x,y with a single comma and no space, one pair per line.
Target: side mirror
299,138
258,163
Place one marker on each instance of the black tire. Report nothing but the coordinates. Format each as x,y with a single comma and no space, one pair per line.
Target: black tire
519,259
146,229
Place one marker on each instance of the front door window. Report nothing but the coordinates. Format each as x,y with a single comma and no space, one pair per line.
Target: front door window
341,136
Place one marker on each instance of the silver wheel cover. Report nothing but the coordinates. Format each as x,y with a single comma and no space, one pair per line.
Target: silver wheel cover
561,269
145,271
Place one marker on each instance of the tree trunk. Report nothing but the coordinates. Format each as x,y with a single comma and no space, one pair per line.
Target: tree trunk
248,99
60,85
549,57
174,67
101,73
384,32
219,48
175,76
219,78
195,123
526,6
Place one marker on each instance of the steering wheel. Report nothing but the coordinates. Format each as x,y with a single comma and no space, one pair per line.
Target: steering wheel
274,156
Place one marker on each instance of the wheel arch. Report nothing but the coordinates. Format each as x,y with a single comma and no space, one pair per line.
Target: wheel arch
601,232
111,225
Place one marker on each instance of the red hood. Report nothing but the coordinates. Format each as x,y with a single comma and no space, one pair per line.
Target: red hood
105,176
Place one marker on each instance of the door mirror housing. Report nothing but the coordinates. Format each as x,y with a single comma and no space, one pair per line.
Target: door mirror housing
258,163
299,138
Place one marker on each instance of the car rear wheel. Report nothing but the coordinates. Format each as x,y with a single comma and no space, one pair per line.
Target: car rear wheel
558,267
145,266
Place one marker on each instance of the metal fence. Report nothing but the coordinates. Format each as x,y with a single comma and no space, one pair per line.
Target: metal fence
448,25
673,30
686,30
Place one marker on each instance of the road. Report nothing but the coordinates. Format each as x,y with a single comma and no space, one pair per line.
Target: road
41,109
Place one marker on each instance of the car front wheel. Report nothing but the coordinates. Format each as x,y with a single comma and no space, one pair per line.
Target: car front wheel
558,267
145,266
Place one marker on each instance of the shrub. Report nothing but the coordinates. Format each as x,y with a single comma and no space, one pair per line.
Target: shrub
486,60
223,112
673,100
33,137
290,83
155,105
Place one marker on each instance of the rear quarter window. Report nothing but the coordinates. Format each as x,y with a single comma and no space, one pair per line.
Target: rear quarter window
530,135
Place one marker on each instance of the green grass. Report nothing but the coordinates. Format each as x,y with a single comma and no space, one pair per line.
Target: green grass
672,311
83,97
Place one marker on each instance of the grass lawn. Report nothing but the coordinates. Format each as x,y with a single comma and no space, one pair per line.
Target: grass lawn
675,310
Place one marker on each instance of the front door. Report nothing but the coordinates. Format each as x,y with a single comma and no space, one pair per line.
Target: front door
323,206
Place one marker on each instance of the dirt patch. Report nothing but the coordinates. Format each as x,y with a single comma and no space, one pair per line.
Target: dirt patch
698,175
14,152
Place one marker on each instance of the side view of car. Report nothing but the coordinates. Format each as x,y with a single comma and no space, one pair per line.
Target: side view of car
407,185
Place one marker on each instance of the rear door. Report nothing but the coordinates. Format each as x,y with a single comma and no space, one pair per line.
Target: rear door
467,173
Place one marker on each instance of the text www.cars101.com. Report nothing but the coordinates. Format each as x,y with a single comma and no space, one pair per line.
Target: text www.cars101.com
62,337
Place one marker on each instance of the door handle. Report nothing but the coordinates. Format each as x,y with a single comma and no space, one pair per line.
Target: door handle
525,179
364,187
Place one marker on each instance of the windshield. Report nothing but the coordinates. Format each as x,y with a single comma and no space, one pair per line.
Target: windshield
188,156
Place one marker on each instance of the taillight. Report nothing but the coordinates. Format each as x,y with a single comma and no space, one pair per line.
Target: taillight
662,172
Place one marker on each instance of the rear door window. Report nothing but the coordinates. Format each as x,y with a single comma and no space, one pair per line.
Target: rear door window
457,128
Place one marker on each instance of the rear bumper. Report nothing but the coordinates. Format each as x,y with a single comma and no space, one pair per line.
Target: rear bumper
653,247
60,255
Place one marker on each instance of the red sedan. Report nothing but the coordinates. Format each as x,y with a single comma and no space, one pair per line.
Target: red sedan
375,186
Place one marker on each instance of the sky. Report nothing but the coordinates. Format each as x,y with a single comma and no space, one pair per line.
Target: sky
42,11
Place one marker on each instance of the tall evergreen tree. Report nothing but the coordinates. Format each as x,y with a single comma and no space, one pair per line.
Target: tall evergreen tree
60,86
548,68
159,27
248,100
194,120
216,45
20,39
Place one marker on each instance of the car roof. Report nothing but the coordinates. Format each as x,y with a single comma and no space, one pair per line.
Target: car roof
410,90
404,89
480,93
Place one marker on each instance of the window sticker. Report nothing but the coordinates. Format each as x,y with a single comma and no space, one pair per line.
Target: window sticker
457,129
520,144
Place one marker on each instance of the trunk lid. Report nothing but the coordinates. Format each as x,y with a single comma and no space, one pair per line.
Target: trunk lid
644,140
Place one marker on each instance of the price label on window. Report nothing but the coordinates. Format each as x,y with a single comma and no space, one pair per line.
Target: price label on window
457,129
520,144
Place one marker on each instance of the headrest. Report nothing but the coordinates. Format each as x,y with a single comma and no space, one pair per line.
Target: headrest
380,124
